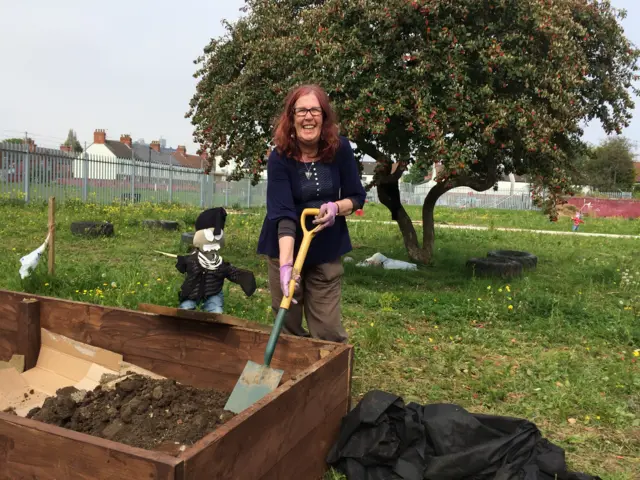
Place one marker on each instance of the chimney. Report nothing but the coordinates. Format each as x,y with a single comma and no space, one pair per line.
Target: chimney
65,148
126,139
155,145
182,150
99,136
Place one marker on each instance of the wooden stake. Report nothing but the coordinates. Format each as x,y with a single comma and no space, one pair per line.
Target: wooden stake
52,235
29,331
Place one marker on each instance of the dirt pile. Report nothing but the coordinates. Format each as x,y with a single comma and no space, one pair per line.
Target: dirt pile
139,411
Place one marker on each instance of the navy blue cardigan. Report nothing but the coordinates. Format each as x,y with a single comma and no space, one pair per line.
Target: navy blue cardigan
284,200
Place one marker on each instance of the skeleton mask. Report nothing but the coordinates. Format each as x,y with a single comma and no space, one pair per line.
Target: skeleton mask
210,230
206,240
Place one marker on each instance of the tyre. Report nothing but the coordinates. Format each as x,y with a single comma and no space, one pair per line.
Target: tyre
494,267
168,225
187,238
527,259
92,229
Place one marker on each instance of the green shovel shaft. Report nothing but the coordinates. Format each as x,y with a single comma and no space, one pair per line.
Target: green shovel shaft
297,268
273,338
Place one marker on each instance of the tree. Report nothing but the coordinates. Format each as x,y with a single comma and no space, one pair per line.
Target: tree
16,141
611,167
488,87
417,172
72,141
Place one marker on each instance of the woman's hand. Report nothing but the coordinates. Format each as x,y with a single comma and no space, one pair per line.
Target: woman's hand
327,216
285,278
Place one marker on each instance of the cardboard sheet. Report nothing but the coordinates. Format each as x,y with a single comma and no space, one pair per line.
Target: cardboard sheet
62,362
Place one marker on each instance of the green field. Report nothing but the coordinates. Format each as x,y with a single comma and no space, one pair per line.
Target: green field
558,346
528,219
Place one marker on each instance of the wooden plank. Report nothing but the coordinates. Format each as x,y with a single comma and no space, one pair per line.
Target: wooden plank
192,375
8,344
29,331
194,315
252,443
211,346
203,346
9,316
308,458
84,322
31,449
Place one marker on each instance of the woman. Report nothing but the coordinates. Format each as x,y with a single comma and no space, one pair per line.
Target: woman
312,166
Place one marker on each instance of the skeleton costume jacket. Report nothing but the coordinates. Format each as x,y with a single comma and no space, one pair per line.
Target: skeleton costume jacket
206,273
205,269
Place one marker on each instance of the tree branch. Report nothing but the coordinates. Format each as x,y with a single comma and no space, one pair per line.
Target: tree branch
387,171
479,184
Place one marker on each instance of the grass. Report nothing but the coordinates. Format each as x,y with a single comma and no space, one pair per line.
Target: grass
558,346
529,220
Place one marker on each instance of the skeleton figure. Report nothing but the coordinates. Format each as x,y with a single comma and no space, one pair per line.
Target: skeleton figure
205,269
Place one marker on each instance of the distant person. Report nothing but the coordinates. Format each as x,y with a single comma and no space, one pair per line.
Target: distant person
577,220
312,166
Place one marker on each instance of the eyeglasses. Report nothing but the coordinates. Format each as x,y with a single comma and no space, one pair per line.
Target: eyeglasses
302,112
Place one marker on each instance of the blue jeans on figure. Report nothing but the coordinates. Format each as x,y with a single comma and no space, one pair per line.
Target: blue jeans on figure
212,304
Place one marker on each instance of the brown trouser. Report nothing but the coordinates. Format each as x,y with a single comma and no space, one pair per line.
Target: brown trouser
318,295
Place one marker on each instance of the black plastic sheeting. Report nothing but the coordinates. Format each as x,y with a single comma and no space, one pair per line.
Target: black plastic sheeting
384,439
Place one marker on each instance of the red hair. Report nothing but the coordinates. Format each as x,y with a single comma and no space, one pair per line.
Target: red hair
285,132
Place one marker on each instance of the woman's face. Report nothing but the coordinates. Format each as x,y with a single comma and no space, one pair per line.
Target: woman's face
308,124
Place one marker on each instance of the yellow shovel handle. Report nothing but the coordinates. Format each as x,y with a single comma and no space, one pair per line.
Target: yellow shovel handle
302,253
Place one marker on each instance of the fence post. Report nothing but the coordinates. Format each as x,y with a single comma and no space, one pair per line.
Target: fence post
85,175
226,193
249,192
170,183
133,181
26,171
202,190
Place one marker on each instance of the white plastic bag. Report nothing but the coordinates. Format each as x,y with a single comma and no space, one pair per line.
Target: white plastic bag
30,261
378,259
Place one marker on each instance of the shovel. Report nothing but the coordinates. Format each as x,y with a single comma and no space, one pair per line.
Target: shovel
258,380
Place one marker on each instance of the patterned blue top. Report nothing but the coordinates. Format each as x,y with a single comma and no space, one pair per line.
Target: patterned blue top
293,186
317,187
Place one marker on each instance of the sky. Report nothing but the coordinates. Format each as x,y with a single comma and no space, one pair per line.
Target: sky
127,67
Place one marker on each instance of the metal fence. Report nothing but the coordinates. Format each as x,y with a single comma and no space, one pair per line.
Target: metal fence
33,174
505,197
621,195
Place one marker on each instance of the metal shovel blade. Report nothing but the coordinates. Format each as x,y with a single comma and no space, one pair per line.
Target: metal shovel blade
255,382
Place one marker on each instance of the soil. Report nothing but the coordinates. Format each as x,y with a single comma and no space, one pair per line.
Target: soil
140,411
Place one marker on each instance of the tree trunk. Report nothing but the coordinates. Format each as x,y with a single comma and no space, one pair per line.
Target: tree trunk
389,195
428,220
387,179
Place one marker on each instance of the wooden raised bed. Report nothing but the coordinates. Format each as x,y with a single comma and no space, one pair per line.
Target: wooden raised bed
286,435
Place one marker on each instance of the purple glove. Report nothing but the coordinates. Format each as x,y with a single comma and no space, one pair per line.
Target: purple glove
327,215
285,278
